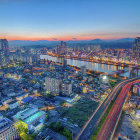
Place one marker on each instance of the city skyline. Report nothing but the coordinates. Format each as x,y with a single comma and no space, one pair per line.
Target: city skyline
69,69
71,20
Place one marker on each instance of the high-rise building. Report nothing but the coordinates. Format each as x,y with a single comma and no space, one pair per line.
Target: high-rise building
61,49
53,84
4,52
66,88
58,86
63,43
1,58
58,49
118,55
136,49
7,129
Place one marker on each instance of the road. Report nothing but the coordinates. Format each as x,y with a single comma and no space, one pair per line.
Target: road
94,121
108,127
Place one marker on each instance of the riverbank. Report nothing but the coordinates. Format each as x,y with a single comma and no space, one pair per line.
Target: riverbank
96,67
90,72
101,61
103,68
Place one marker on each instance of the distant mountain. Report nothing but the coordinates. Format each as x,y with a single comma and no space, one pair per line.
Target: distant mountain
108,43
85,41
96,41
118,40
17,43
125,40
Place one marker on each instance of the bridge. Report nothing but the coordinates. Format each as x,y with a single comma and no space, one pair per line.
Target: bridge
119,92
92,59
134,71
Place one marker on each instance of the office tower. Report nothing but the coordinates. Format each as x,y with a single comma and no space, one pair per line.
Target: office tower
4,52
7,129
63,43
58,49
118,55
53,84
2,60
136,49
61,49
66,88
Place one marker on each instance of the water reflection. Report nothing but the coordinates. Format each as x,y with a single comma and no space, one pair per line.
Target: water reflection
90,65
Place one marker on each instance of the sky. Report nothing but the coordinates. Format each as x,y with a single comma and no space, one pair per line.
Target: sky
69,19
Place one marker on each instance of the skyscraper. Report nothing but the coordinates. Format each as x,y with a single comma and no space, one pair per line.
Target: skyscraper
136,49
63,43
58,49
61,49
66,88
53,84
4,52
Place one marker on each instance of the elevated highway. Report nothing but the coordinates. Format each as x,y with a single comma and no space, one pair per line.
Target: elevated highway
94,121
109,126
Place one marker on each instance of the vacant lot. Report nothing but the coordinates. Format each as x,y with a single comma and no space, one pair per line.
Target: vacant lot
80,112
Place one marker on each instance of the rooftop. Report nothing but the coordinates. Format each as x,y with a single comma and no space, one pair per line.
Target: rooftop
34,117
5,123
27,99
29,115
12,102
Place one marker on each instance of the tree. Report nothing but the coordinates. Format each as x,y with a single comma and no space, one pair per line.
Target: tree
93,137
32,136
63,103
22,128
112,83
67,133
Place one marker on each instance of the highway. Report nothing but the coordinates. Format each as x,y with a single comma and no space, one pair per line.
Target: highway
108,127
94,121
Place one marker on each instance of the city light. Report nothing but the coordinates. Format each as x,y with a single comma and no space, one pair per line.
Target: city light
105,77
69,70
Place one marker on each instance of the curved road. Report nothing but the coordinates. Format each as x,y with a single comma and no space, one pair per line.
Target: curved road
108,126
93,122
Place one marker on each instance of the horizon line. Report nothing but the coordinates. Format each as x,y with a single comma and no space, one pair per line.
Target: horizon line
113,39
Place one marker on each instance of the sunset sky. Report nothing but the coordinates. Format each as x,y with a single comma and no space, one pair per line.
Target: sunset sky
69,19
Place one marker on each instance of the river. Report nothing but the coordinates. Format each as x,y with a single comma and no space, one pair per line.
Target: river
89,65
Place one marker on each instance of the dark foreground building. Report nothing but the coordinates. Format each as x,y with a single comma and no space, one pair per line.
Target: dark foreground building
136,49
4,52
